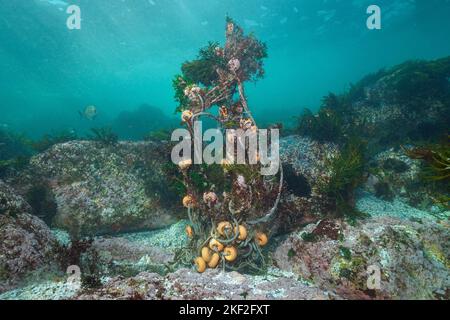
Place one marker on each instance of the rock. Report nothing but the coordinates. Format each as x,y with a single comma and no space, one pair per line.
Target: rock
26,243
10,202
128,258
408,102
93,188
373,206
133,253
305,170
186,284
398,176
412,258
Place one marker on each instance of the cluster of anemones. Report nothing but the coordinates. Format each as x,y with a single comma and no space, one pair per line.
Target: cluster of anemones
209,198
247,124
215,251
192,91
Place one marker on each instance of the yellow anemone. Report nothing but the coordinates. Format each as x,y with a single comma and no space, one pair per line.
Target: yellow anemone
188,201
189,232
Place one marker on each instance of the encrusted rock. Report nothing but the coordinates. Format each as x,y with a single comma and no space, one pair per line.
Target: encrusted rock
395,175
412,259
10,202
403,103
305,171
212,285
98,188
26,243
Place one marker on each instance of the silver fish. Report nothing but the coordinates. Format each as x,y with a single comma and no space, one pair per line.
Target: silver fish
89,113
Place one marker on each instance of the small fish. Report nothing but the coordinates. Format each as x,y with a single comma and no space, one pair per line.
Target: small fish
89,113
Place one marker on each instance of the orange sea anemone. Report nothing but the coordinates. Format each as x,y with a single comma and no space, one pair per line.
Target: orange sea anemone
242,232
214,261
210,198
225,163
224,228
186,115
185,164
261,239
215,245
200,264
188,201
223,111
189,232
246,124
230,253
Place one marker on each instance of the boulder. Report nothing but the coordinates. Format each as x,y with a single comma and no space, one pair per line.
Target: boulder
91,188
408,102
305,172
26,243
412,258
395,176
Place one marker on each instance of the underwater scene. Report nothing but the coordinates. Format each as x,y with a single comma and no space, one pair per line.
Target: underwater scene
224,150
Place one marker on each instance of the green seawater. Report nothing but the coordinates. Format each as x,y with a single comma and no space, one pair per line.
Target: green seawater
127,52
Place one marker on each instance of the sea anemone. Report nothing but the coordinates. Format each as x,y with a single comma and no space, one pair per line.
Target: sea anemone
219,51
223,112
242,232
215,258
238,108
189,232
225,163
185,164
210,198
200,264
230,253
215,245
241,182
224,228
187,115
261,239
192,92
254,129
188,201
234,65
246,124
230,28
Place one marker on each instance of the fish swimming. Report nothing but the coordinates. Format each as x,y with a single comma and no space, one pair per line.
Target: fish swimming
89,113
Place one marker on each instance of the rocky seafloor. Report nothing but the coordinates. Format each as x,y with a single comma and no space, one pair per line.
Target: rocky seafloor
326,259
87,220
